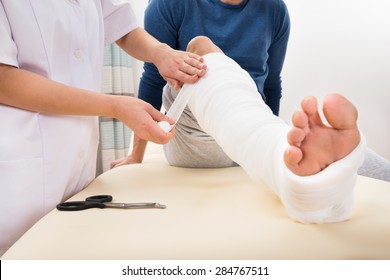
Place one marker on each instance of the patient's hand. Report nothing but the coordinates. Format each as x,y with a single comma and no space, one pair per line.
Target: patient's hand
124,161
137,154
315,145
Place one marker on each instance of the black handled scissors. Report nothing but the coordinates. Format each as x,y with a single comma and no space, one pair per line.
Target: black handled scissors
103,201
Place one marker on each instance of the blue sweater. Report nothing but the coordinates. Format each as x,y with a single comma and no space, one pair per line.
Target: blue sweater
254,33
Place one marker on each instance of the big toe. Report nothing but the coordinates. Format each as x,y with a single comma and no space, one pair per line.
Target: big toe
339,111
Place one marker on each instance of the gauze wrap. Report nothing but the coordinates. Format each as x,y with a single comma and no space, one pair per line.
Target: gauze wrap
227,105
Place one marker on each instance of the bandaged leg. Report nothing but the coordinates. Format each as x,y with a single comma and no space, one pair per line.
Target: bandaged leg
228,107
192,146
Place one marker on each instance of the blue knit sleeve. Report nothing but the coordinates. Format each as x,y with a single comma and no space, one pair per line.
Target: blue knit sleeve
277,53
159,22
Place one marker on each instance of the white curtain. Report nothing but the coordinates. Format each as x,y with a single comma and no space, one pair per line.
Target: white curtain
118,79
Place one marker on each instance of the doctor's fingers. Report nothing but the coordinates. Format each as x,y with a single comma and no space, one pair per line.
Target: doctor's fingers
142,118
196,62
191,67
175,84
179,78
148,129
185,68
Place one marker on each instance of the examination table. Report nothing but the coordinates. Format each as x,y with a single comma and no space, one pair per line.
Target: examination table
211,214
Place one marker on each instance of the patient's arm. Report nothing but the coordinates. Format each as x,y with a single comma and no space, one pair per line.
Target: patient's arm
136,155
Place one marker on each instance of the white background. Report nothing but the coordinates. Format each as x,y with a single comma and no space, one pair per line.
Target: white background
342,46
338,46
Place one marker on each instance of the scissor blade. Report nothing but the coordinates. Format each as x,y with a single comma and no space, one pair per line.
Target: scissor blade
134,205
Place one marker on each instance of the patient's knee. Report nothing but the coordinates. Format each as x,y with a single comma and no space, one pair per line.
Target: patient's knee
202,45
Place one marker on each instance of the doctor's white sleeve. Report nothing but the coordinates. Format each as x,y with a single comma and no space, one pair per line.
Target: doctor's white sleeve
119,19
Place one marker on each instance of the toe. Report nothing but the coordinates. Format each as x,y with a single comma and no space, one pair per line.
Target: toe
295,136
292,156
309,105
310,108
339,112
300,119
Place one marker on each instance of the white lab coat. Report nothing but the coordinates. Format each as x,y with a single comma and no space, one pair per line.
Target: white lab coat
44,159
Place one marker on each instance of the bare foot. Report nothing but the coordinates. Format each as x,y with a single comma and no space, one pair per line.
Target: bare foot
315,145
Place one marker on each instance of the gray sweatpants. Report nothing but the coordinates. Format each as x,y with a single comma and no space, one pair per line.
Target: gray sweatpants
192,147
375,166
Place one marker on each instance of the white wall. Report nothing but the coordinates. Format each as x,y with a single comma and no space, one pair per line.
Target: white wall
338,46
342,46
139,7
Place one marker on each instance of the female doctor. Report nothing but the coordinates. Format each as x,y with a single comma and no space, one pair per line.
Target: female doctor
51,58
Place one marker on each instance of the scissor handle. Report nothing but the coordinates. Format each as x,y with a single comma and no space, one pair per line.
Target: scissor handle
96,201
99,198
79,205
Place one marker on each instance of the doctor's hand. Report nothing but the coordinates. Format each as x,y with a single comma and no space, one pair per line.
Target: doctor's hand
176,67
179,67
142,118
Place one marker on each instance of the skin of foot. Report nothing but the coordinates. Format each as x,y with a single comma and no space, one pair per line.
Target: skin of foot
315,145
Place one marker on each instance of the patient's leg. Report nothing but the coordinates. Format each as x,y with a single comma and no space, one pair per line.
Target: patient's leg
228,107
314,145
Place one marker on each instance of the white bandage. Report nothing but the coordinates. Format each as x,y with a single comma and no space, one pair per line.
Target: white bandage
326,196
228,106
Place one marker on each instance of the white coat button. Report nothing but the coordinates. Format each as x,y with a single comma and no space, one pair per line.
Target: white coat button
81,154
78,53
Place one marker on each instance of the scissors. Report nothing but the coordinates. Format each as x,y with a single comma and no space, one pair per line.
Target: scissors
103,201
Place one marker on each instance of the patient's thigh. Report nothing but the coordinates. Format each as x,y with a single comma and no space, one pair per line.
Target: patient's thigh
192,147
195,149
